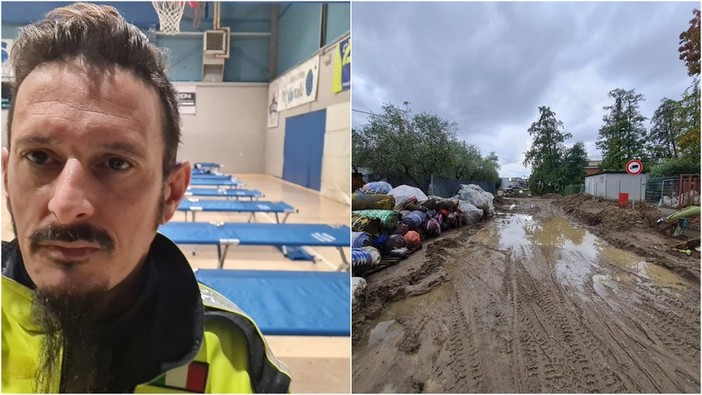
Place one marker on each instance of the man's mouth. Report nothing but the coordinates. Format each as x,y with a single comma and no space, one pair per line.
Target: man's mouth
71,252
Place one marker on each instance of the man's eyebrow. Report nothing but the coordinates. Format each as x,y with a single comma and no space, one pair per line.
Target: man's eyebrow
35,140
123,147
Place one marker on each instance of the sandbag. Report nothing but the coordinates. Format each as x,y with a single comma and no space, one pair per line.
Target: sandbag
360,239
379,241
401,229
370,201
399,252
380,187
361,260
393,242
360,223
375,254
414,219
413,240
388,218
431,227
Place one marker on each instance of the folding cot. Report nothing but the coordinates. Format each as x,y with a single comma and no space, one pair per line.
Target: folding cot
216,183
213,177
228,193
206,166
277,235
292,303
193,205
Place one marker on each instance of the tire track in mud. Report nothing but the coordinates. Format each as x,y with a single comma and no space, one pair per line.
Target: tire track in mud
513,323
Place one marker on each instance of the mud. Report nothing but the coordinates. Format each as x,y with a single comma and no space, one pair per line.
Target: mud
535,300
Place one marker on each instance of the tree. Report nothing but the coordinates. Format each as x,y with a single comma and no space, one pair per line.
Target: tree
408,148
689,115
665,130
545,154
623,135
574,163
690,45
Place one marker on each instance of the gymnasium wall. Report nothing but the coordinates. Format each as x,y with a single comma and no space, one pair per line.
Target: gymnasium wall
228,126
336,172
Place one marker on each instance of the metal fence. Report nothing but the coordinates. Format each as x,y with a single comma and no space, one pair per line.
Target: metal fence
674,192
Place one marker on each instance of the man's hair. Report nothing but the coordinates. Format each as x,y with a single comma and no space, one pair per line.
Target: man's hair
99,37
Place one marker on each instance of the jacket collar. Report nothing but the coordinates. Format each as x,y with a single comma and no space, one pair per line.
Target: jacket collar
164,328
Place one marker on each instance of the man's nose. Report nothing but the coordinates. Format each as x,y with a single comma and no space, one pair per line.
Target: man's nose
70,201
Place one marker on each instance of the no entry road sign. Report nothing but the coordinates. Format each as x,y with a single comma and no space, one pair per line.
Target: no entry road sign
634,167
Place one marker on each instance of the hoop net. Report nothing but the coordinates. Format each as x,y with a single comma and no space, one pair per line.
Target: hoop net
169,15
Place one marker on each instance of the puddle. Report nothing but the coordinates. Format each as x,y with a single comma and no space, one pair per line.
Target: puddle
578,257
385,328
380,332
647,270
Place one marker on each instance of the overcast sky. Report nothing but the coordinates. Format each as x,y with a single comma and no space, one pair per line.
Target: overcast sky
489,66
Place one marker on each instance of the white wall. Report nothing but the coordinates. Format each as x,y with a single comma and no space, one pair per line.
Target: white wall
609,185
228,127
336,162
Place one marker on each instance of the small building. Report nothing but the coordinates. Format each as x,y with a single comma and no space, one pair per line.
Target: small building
593,166
609,184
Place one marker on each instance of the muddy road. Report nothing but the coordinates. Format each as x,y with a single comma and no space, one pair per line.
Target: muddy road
531,301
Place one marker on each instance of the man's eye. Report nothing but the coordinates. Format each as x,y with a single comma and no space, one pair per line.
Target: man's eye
118,164
38,157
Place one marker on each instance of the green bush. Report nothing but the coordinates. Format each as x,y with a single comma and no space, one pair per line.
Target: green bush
674,167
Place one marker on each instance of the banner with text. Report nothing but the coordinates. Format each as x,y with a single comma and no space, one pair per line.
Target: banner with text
294,88
187,95
342,66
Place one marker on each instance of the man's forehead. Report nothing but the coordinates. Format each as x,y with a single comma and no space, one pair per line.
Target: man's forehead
109,101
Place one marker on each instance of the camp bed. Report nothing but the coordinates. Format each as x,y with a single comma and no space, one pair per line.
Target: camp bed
206,166
213,177
228,193
258,234
199,182
289,303
193,205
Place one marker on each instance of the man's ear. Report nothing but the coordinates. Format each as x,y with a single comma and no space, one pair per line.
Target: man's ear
5,159
176,185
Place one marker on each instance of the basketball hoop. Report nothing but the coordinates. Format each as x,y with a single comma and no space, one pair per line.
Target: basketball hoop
169,15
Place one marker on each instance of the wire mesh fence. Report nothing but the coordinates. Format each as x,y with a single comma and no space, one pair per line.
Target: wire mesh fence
674,192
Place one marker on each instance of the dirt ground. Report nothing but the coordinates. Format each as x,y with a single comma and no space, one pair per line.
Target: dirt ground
550,295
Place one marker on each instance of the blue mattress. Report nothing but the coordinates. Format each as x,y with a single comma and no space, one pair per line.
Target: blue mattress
267,234
289,303
235,193
206,165
235,206
217,177
215,182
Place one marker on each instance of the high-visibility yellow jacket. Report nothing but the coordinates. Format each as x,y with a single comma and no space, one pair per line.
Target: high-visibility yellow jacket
180,336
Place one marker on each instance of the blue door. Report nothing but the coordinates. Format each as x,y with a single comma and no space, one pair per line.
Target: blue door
304,147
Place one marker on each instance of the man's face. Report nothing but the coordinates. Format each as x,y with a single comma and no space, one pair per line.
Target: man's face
83,176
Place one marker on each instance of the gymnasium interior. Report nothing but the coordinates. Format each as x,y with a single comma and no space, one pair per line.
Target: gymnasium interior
264,100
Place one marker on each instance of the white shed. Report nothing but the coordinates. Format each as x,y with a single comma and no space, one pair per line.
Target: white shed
609,184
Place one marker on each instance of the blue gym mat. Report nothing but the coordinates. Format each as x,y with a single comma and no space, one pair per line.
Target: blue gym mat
291,303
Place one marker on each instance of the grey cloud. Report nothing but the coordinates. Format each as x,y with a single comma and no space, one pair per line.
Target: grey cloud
488,66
